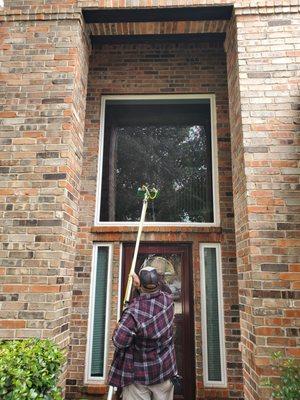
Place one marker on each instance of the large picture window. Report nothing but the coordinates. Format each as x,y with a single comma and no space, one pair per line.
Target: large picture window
165,142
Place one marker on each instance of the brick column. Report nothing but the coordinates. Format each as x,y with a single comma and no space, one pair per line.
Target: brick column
263,59
44,74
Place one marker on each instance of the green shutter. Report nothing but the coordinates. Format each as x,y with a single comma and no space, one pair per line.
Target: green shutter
98,341
212,315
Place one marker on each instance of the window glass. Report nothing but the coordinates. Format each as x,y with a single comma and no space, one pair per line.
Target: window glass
166,144
212,315
98,339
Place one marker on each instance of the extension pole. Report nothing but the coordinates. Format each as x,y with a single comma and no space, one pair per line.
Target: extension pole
147,196
136,250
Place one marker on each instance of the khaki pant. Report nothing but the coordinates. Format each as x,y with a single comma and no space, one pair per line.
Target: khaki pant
161,391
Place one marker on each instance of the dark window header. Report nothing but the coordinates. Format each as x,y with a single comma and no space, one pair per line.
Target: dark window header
157,14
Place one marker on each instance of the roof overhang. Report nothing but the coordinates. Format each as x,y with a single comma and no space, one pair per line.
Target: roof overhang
157,14
125,25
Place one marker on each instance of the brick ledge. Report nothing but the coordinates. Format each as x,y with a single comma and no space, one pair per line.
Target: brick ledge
155,229
96,389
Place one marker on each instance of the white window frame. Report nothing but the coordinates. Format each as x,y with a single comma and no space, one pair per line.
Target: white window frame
120,281
88,379
207,382
214,158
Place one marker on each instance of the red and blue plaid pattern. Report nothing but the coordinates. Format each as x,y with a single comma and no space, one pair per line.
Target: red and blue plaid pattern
144,344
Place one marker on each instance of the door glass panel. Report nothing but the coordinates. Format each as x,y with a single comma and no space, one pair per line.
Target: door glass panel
169,268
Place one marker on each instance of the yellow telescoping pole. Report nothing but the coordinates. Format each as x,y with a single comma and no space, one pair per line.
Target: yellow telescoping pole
149,194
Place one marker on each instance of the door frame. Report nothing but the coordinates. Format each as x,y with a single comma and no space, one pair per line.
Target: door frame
185,248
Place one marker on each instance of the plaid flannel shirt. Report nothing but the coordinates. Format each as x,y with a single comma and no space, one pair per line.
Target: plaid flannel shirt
144,344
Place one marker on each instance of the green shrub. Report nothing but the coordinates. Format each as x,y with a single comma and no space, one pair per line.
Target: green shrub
29,369
287,387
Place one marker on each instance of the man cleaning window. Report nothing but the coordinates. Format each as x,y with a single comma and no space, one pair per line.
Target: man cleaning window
144,361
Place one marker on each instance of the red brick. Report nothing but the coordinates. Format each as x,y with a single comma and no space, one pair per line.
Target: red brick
267,331
294,268
293,352
12,324
292,313
8,114
290,276
15,288
45,289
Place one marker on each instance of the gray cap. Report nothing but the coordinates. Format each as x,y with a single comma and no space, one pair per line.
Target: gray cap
149,278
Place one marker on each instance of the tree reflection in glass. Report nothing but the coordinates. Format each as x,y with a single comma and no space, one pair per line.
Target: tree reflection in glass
171,150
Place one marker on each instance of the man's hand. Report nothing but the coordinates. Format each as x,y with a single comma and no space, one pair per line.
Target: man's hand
136,280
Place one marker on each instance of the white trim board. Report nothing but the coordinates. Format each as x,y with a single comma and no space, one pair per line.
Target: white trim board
120,281
215,176
87,377
223,382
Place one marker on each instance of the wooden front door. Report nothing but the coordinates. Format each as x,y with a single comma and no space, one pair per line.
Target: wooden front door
174,261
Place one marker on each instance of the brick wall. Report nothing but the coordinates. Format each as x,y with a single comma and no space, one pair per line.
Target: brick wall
42,108
143,69
256,6
69,6
263,63
238,165
43,60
